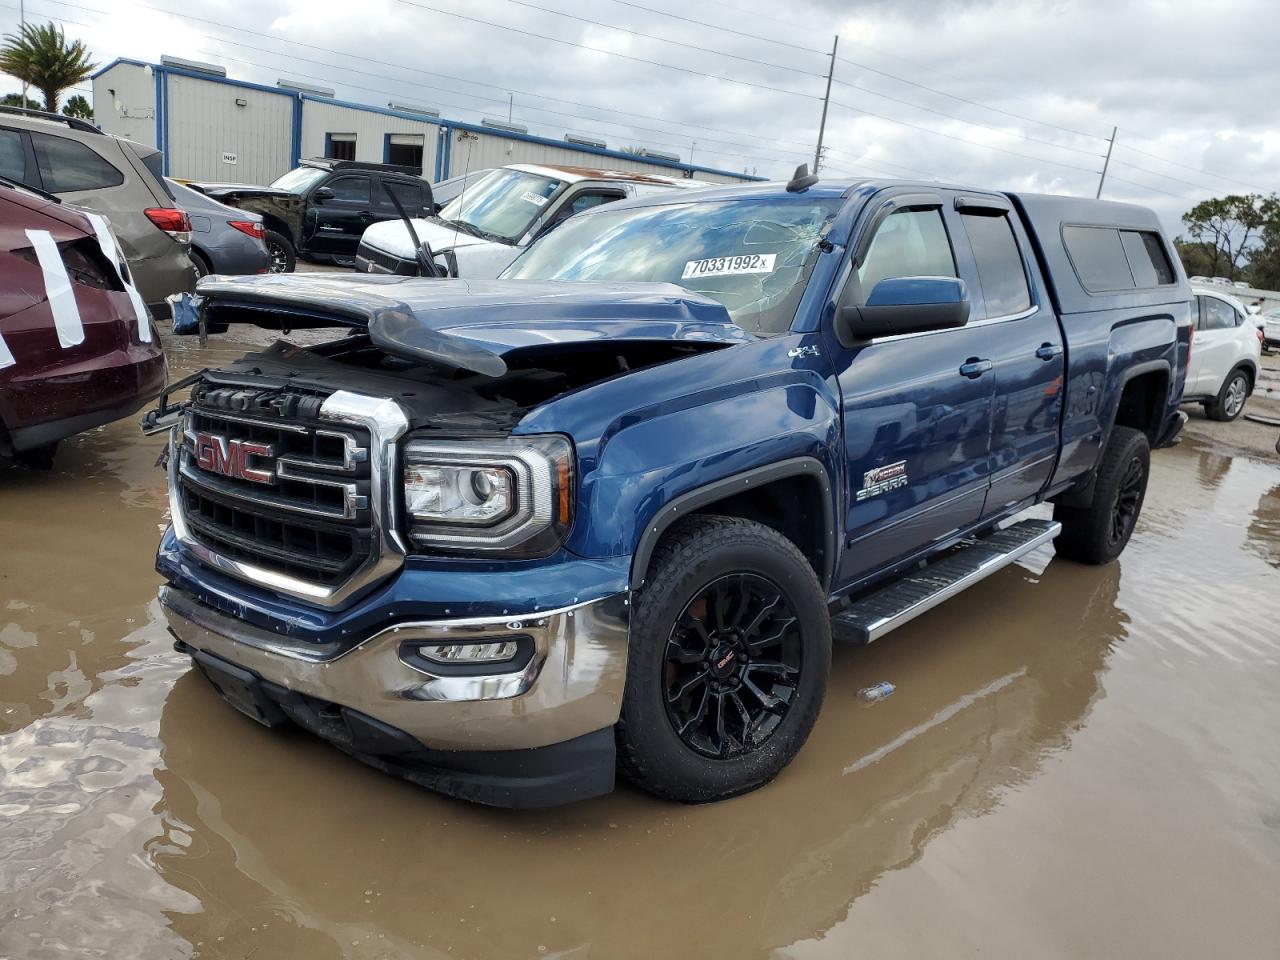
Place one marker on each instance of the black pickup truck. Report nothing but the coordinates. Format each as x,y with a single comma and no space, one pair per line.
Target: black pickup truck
319,209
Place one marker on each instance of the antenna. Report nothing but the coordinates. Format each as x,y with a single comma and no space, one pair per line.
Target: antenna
801,180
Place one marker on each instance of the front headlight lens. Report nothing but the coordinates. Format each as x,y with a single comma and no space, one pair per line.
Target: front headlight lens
512,495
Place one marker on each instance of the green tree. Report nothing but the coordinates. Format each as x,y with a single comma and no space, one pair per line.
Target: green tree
78,106
1264,259
1224,228
42,57
15,100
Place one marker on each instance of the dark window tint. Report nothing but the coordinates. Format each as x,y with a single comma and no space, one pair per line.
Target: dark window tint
154,162
410,196
350,189
67,165
1147,259
585,201
342,149
1218,315
1098,256
1000,269
909,243
13,159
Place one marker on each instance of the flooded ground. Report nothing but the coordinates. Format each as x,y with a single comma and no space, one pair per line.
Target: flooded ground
1077,762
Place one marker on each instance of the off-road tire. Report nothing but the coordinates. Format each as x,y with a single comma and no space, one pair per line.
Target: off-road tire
693,554
1089,534
1224,406
284,258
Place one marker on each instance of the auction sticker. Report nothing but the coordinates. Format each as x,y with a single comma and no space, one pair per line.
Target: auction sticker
533,198
729,266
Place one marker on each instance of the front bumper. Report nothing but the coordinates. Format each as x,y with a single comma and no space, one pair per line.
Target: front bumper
562,702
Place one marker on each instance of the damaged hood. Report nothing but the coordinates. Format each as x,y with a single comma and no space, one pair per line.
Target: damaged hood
475,325
220,191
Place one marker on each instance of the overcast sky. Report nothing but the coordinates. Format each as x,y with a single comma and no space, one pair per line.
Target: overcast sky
1195,84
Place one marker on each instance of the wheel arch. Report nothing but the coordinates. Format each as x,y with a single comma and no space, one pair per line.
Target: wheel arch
1143,399
766,494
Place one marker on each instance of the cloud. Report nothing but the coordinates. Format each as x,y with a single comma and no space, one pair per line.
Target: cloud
1048,80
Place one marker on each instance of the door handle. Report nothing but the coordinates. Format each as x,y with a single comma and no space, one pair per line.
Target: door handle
1047,351
973,368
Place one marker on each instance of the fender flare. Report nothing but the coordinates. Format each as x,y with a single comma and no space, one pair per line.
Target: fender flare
692,500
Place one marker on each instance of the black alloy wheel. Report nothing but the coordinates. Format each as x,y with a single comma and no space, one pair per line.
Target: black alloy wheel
733,663
1124,514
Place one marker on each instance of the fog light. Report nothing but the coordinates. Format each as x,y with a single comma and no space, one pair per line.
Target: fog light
468,653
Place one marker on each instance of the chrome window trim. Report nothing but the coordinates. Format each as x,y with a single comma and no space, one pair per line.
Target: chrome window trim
386,423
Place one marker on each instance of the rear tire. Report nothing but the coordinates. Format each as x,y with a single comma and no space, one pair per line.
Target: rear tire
1097,534
1230,401
730,652
283,256
38,458
200,263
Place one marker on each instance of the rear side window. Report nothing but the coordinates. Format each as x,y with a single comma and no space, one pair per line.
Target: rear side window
154,162
1218,315
68,165
1107,259
13,159
1098,257
1000,268
1147,259
909,243
410,196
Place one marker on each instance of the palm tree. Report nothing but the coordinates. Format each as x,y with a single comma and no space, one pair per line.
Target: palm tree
41,57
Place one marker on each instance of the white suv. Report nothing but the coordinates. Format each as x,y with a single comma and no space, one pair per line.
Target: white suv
1226,346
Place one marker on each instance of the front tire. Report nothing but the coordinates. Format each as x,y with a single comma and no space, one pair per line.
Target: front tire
1097,534
730,652
283,256
1230,401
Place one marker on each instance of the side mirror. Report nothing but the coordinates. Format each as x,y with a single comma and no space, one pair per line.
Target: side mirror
905,305
322,195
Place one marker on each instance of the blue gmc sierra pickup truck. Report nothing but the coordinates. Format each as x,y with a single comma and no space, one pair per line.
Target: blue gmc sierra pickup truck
508,538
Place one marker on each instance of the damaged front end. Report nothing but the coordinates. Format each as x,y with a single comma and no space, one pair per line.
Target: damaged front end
364,523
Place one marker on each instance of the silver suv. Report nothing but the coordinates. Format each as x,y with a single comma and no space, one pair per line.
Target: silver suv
120,179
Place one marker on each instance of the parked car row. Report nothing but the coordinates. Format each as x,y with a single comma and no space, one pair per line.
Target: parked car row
1226,353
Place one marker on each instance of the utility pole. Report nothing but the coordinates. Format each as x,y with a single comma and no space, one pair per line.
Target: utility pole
1107,162
511,105
826,99
22,17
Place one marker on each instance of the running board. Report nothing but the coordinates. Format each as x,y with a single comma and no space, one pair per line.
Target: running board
903,600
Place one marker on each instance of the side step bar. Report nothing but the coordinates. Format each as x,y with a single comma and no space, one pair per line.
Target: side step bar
905,599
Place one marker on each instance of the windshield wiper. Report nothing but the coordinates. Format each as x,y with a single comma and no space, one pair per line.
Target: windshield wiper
473,230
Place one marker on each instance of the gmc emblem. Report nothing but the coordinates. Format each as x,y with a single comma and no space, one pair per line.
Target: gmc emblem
231,457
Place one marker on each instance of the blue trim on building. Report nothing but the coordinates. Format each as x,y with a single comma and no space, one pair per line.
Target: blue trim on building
441,133
449,126
295,145
159,112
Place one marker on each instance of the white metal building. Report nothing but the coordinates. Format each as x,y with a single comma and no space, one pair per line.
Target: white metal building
213,128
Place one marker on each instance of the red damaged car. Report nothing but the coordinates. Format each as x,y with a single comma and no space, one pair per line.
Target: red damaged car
77,346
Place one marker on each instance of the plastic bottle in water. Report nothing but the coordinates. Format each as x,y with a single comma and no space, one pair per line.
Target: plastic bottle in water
877,692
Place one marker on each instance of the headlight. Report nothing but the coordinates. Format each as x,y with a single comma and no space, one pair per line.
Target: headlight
512,496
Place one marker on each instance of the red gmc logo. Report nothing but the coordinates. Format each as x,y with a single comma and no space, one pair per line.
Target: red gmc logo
231,457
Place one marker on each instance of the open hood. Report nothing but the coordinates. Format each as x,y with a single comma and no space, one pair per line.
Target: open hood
475,325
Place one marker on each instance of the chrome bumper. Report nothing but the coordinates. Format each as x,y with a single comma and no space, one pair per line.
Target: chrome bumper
572,684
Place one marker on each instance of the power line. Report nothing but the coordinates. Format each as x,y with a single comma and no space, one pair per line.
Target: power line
716,26
611,53
972,143
650,36
951,116
742,151
1156,173
698,128
1185,166
974,103
1145,186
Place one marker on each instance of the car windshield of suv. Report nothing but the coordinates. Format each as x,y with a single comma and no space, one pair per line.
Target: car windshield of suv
754,256
502,205
298,179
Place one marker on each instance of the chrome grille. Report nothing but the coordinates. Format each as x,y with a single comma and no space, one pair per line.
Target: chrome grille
307,515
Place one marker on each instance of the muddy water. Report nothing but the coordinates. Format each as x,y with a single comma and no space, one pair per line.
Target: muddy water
1078,762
